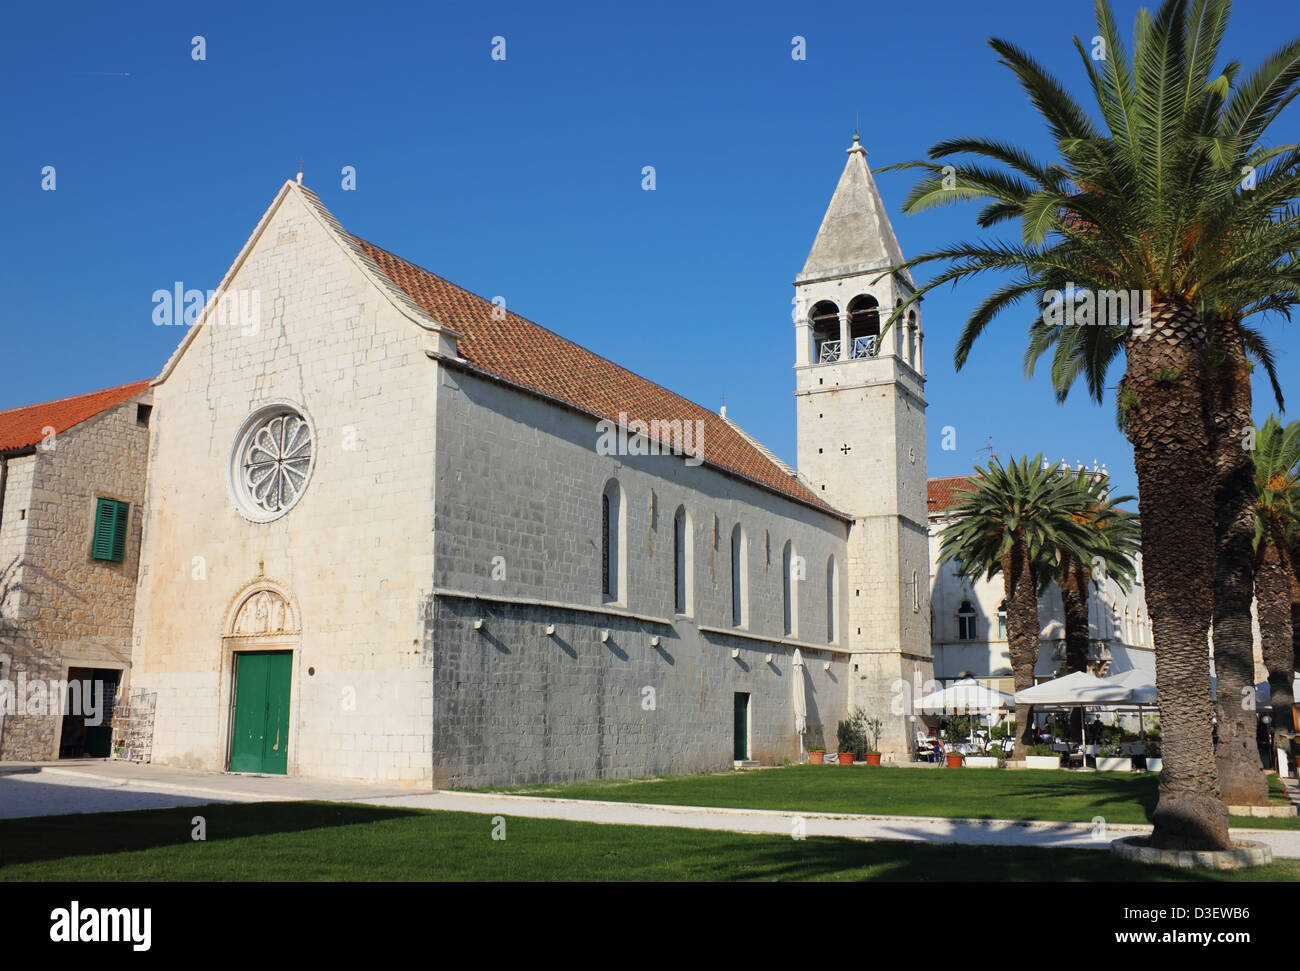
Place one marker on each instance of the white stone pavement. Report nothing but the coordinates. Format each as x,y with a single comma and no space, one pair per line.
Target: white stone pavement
105,786
926,829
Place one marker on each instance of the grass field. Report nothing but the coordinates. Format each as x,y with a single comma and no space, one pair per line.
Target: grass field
961,793
342,842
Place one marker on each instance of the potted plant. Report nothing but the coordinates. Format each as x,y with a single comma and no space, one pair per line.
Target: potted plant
847,735
871,739
1042,757
816,746
1111,758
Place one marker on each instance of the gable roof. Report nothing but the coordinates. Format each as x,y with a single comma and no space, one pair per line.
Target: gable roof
944,493
27,426
517,350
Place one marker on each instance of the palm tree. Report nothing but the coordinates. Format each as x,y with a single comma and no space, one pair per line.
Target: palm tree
1151,202
1277,526
1014,519
1113,540
1235,347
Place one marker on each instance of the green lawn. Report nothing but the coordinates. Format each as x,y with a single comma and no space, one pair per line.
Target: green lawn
959,793
334,841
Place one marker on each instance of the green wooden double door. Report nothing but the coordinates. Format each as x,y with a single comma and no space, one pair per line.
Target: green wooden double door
259,734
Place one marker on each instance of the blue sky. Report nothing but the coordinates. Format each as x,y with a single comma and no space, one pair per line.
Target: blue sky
522,178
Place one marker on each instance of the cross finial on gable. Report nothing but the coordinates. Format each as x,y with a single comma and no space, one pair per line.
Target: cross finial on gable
301,161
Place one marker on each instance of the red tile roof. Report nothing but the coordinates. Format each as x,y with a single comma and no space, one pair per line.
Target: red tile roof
943,493
519,351
27,426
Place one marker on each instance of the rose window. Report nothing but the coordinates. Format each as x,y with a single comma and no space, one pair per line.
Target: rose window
272,462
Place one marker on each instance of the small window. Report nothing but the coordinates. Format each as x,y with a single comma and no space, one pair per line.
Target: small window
739,577
966,622
109,541
1002,621
790,569
832,595
683,566
613,544
142,413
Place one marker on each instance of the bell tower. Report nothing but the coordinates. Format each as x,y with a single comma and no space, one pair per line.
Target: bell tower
860,416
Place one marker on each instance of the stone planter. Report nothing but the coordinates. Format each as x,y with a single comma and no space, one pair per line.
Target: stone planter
1242,854
1115,764
981,762
1154,764
1042,761
846,758
818,757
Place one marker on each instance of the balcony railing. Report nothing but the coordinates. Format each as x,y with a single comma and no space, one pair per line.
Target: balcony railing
864,346
828,351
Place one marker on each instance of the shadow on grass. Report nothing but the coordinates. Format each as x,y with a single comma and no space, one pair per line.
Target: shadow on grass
37,838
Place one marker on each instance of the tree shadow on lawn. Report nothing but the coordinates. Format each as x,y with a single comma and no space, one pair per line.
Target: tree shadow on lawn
821,858
38,838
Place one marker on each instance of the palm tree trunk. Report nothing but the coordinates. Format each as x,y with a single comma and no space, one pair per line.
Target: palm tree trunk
1021,590
1241,781
1165,417
1273,590
1295,605
1073,579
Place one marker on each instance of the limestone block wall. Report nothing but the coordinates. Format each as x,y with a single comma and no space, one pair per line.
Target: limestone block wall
354,557
75,611
518,478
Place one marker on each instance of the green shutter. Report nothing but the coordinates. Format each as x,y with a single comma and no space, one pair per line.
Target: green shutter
110,530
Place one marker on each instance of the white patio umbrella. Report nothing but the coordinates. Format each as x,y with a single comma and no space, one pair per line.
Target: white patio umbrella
800,700
1084,690
966,696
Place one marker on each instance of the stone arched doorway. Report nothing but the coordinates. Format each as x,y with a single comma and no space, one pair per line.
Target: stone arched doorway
259,661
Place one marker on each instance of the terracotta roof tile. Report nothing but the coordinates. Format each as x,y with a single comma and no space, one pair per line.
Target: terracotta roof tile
26,426
524,353
944,493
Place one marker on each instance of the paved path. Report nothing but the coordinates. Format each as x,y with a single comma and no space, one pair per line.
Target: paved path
929,829
99,786
45,789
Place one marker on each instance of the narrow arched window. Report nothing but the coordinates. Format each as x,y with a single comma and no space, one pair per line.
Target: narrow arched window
832,600
864,325
911,338
1002,621
613,542
739,577
682,561
825,320
790,586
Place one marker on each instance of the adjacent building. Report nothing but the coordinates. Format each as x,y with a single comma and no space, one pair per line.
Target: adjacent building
72,479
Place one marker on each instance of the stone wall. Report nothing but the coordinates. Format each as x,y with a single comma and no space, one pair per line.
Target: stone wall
519,478
72,610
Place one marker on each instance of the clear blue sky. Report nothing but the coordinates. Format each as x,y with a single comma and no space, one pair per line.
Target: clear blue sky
522,178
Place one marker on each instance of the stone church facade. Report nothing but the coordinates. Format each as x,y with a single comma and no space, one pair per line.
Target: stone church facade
392,531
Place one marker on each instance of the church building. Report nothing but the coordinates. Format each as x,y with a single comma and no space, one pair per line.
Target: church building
392,531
